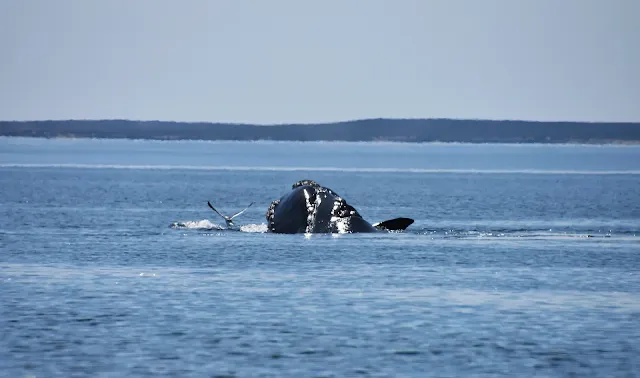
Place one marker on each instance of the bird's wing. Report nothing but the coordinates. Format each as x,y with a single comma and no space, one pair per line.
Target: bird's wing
241,211
214,209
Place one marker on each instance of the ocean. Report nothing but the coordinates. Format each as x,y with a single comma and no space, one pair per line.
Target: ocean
524,260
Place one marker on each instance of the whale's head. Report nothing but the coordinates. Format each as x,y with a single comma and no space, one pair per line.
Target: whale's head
313,208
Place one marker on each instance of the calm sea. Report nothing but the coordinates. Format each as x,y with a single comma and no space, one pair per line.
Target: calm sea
524,260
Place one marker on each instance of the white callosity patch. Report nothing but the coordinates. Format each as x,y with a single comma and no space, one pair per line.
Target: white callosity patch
312,201
339,216
342,225
340,212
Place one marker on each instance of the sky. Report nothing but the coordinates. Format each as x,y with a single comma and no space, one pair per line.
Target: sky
292,61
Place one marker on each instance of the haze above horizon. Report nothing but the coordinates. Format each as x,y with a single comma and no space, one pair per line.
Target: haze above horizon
296,62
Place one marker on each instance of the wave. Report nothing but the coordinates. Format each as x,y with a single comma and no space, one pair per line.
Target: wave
565,229
527,234
318,169
511,225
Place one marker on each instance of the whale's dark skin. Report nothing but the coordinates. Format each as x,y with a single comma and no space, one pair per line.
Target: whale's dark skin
312,208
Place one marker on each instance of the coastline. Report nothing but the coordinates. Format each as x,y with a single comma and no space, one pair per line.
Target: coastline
368,130
612,143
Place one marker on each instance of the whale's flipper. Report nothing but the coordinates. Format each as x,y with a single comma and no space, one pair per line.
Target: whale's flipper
396,224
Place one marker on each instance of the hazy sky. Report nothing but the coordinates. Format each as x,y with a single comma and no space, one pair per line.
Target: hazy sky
307,61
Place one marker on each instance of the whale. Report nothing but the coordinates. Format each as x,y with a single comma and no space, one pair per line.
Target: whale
312,208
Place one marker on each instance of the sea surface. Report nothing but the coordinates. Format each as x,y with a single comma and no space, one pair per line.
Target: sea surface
524,260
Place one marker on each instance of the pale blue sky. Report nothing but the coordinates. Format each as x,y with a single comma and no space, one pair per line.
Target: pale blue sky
303,61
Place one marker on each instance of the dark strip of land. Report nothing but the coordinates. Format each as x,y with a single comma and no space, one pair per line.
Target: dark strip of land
402,130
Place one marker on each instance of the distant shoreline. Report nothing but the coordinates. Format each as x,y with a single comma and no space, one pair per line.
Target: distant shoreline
435,142
368,130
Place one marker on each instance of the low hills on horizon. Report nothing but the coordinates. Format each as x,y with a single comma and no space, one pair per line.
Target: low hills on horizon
381,129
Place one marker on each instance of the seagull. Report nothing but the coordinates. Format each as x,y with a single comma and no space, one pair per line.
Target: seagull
227,219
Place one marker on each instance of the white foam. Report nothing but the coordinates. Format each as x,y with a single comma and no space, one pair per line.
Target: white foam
322,169
256,228
204,224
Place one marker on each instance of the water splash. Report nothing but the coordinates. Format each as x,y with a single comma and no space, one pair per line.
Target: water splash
204,224
255,228
207,225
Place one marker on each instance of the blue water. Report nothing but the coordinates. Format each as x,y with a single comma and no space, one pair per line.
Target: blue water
523,260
